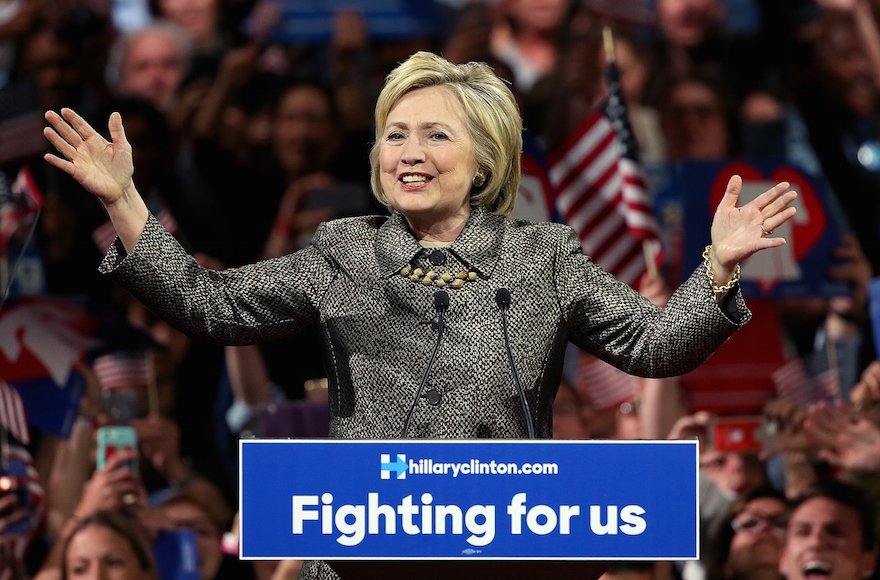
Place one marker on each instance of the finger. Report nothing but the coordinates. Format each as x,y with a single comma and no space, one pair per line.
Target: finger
63,147
779,204
15,517
777,219
769,196
58,163
117,131
79,124
64,129
731,194
7,501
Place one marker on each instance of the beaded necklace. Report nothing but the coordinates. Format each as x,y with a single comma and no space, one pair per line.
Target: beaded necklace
439,279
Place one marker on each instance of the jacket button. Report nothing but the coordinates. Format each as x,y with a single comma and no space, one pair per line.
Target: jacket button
437,257
432,396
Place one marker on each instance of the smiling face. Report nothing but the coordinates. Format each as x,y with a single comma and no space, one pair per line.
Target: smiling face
824,542
427,160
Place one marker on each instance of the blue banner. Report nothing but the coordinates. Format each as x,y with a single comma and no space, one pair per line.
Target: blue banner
796,270
310,21
531,500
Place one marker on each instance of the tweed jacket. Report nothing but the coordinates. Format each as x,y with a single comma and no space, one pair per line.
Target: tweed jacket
377,324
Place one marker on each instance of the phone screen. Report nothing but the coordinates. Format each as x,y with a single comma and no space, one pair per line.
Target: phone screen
113,439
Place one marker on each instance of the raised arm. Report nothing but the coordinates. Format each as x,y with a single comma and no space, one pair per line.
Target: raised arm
104,168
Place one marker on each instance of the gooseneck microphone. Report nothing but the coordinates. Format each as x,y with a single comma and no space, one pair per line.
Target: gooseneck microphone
441,304
502,298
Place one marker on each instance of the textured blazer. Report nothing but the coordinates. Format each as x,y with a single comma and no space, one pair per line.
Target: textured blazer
377,327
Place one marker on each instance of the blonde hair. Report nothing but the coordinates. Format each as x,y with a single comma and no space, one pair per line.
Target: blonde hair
491,116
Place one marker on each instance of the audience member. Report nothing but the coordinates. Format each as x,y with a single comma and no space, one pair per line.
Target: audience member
749,541
151,63
831,533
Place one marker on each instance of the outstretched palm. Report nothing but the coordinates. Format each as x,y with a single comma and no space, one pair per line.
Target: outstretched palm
104,168
740,231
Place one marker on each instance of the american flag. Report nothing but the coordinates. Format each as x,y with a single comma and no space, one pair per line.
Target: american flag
123,369
12,414
606,386
792,382
601,191
20,203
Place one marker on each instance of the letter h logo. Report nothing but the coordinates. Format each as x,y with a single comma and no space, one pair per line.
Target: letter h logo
387,467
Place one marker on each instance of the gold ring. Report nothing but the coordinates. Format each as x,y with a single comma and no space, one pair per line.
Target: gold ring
765,231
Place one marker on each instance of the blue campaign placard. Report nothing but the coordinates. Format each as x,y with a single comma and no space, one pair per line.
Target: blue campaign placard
310,21
874,308
468,499
794,270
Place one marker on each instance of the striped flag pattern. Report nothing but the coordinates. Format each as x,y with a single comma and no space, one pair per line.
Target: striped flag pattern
20,203
605,385
792,382
601,191
123,369
12,414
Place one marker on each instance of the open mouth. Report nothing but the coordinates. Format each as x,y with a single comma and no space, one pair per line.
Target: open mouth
414,179
817,569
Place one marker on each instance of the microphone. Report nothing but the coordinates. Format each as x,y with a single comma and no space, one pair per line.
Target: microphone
441,305
502,298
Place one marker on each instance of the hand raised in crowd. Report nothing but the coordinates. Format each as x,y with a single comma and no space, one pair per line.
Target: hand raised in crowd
292,219
654,288
115,487
866,393
159,439
740,231
470,40
845,438
11,513
788,417
350,32
696,425
854,269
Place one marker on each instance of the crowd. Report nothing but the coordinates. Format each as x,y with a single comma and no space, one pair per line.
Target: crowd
245,139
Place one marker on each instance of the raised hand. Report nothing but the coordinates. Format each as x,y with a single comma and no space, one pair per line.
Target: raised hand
740,231
846,438
104,168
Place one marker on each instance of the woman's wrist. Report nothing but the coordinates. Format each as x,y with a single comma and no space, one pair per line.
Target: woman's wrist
716,273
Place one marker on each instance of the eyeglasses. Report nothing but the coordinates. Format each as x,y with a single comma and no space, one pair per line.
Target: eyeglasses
752,523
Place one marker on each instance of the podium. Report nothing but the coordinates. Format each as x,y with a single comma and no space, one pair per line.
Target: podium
473,570
468,509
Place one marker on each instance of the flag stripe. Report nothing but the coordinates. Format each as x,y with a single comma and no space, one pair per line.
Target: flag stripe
602,193
12,413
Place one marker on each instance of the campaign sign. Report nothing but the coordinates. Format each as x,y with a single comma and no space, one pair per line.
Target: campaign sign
362,500
874,307
308,21
796,269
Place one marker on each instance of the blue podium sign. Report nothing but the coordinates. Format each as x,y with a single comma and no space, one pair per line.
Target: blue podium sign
579,500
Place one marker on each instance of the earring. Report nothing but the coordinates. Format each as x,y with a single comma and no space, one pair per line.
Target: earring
479,179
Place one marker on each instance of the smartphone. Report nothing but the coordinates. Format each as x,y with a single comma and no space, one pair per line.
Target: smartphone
746,433
121,405
115,438
13,480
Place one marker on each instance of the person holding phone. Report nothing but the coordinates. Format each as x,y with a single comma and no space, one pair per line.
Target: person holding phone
413,306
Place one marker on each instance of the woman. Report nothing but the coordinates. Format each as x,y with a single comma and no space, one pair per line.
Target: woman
446,162
416,341
108,545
